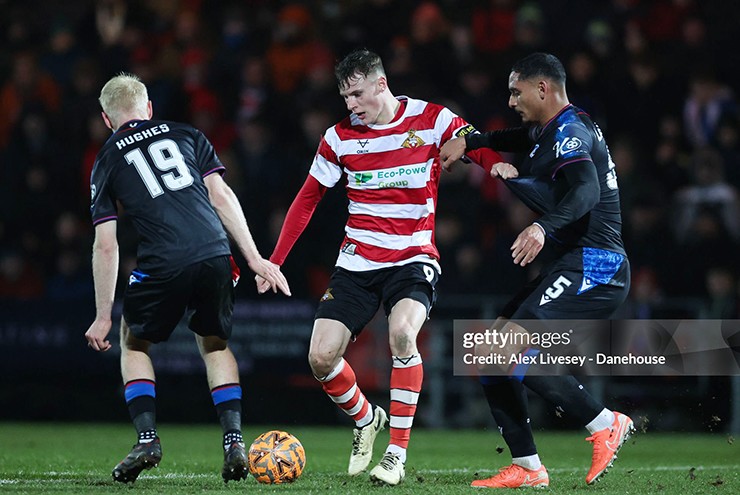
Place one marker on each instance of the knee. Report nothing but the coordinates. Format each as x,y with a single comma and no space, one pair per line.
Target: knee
322,363
129,343
402,339
207,345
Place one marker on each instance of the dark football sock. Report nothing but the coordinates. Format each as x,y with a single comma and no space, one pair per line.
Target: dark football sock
507,399
228,401
140,400
566,393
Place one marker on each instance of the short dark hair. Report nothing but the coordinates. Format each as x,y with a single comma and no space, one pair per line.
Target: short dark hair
540,64
360,62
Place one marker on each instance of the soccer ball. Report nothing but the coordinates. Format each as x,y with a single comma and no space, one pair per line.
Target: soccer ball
276,457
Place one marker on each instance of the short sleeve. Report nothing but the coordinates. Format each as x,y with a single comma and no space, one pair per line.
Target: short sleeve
102,201
206,158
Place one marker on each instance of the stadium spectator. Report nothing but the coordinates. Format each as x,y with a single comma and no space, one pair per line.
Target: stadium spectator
708,103
20,279
28,87
388,148
184,262
293,48
568,178
708,192
721,302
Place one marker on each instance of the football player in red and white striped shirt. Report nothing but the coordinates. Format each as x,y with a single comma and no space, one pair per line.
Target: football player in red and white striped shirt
387,150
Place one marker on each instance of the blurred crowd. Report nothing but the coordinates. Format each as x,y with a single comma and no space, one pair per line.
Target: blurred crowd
256,76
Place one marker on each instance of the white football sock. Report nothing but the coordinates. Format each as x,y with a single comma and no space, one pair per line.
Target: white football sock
605,419
530,462
399,451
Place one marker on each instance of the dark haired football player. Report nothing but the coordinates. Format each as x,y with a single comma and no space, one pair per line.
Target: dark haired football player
568,177
387,153
167,178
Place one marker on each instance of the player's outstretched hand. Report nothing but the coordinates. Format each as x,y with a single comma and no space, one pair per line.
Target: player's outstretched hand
528,245
269,276
451,151
262,284
96,335
504,170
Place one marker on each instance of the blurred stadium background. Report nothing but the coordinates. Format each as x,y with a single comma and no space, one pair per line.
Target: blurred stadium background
661,77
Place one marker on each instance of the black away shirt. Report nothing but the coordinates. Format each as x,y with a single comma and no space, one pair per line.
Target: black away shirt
154,170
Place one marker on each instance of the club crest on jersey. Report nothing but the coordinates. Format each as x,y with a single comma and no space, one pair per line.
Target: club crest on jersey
567,145
362,178
327,295
413,141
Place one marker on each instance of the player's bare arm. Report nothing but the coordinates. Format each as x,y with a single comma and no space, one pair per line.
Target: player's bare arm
230,212
105,274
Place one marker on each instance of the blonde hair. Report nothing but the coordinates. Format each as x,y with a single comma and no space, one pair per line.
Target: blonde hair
124,97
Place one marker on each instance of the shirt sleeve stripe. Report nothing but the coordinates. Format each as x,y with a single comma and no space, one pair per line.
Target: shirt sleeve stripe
105,219
216,169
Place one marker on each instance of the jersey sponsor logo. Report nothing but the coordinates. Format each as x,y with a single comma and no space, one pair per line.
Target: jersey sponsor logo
398,183
413,141
567,145
534,150
464,131
389,174
362,178
554,291
349,248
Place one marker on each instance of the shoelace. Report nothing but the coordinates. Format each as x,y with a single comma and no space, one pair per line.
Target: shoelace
389,461
508,471
356,441
597,439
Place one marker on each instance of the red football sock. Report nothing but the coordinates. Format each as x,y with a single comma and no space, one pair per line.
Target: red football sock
406,377
341,387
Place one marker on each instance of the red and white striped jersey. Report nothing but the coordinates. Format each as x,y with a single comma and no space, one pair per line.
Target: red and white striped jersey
392,172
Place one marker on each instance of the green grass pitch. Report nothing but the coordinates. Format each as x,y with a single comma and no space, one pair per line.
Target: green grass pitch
78,458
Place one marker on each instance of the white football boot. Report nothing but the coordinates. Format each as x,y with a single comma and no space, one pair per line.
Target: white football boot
362,444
